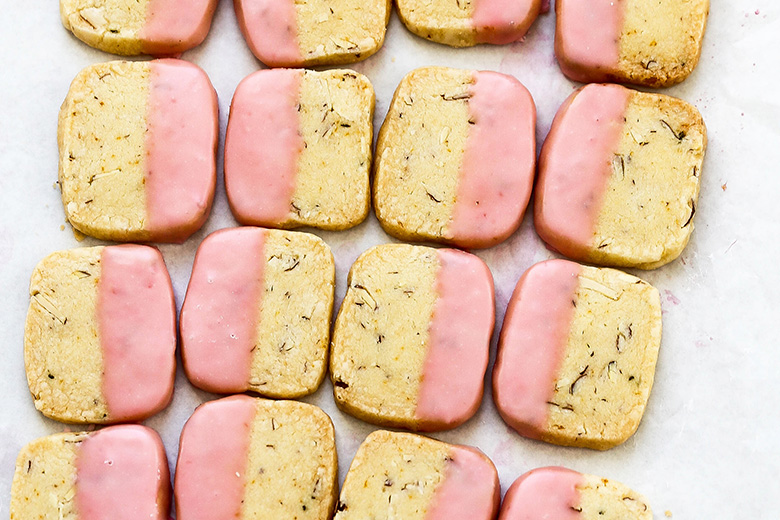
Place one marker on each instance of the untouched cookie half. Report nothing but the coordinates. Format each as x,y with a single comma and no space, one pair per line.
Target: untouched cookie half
100,336
132,27
464,23
292,176
655,43
619,177
248,458
305,33
137,144
577,354
402,475
561,493
257,313
455,157
410,345
80,476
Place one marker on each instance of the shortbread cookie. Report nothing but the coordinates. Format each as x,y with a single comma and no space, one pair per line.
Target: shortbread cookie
248,458
577,353
297,33
455,157
655,43
293,175
619,177
257,313
132,27
410,345
80,476
561,493
138,147
463,23
402,475
100,337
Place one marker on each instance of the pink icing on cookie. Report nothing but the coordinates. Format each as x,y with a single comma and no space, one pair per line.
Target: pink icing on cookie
575,166
136,318
503,21
543,493
497,171
220,312
181,146
459,337
262,146
213,454
122,474
532,344
469,490
271,30
171,28
585,54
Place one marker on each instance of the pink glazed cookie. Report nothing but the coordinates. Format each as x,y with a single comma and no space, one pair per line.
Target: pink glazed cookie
655,43
137,144
402,475
280,165
132,27
410,345
619,177
257,313
469,22
563,494
248,458
304,33
576,355
117,473
100,336
455,157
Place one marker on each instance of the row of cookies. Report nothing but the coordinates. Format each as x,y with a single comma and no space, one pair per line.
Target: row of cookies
455,159
240,457
409,349
634,41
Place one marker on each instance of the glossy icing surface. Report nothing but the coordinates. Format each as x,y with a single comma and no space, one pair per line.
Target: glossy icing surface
136,318
213,454
543,493
260,173
585,54
532,344
459,336
469,490
503,21
271,30
181,145
497,170
122,474
576,164
220,312
170,29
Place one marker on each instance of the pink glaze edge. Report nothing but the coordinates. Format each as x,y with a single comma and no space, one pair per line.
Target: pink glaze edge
181,147
550,492
532,344
452,384
470,489
584,54
213,455
499,159
136,316
221,309
270,28
260,172
575,166
122,474
169,29
504,21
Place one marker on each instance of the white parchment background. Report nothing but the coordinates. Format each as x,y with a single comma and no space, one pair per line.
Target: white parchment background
709,444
